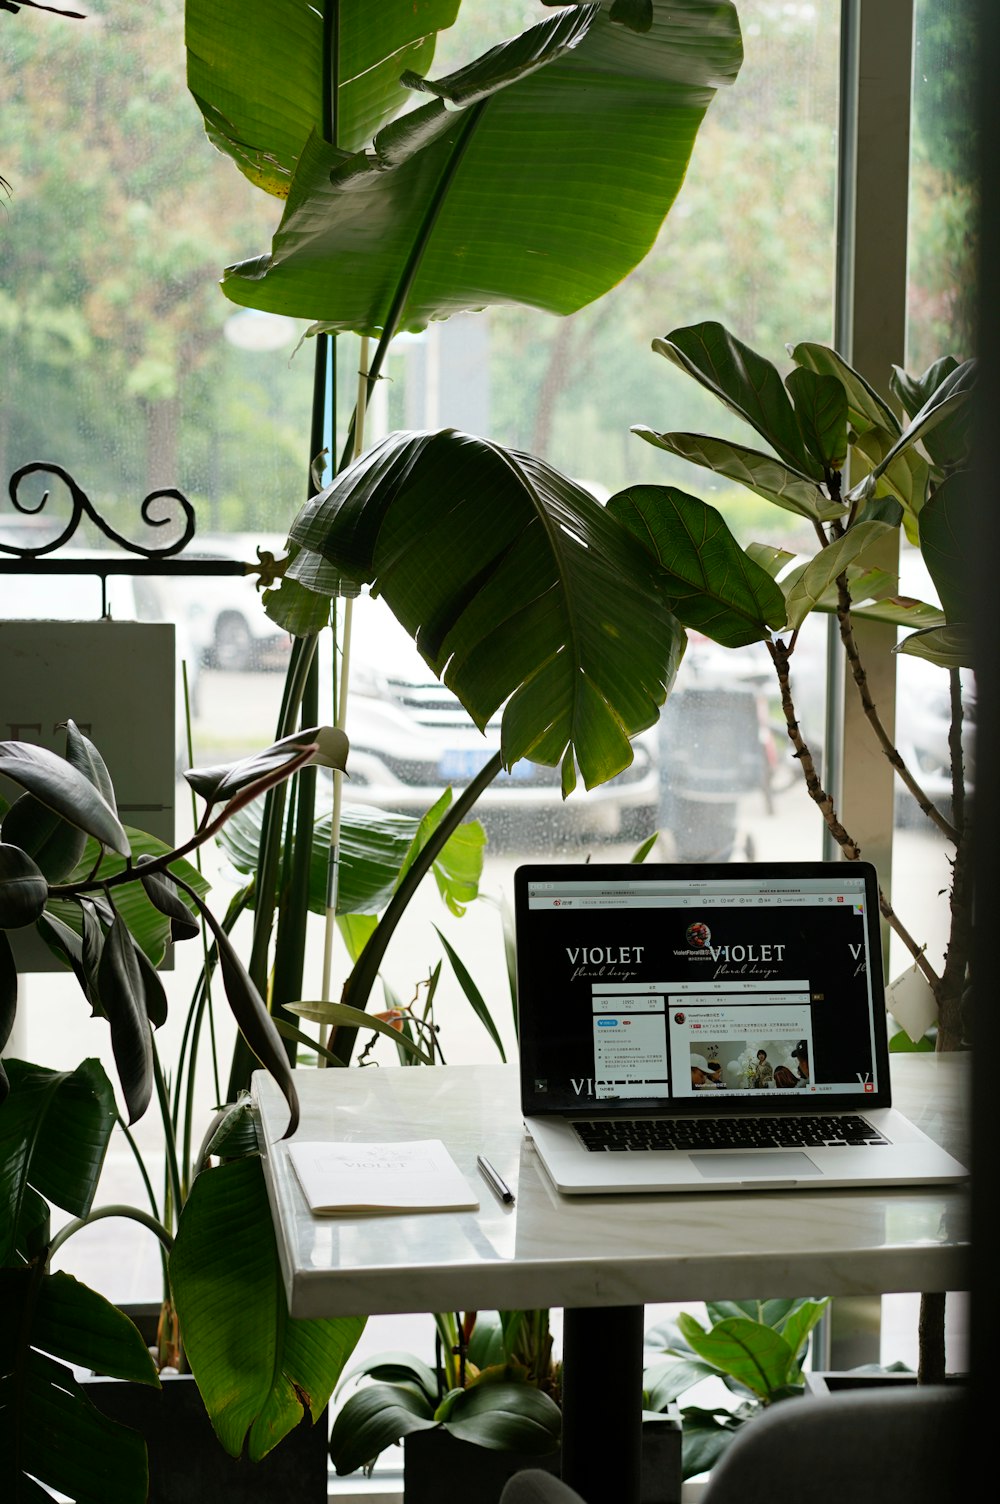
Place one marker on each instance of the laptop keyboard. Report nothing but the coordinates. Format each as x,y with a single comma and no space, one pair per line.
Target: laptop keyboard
617,1135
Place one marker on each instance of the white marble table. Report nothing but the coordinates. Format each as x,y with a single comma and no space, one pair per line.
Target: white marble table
601,1258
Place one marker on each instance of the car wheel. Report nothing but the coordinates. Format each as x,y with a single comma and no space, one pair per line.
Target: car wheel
232,650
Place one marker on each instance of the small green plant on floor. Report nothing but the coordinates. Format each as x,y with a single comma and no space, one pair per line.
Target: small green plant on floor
495,1383
755,1347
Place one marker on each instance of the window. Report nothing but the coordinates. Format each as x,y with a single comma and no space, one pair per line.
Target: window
124,363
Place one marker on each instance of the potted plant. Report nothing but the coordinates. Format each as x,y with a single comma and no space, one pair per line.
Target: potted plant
107,899
822,421
755,1347
840,458
381,208
491,1402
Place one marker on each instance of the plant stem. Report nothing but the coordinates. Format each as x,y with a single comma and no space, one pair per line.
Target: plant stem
874,719
358,986
825,803
134,1213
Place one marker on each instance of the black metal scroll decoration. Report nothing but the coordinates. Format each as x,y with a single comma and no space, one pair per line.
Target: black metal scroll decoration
82,506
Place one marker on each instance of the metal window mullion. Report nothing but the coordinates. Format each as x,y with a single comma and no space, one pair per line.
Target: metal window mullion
870,328
870,331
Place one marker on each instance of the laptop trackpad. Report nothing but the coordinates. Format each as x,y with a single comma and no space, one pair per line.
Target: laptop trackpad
775,1164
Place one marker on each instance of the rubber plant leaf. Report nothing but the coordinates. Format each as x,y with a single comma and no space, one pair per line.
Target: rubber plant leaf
54,844
216,785
746,383
62,1439
518,588
8,1007
257,1377
23,889
163,895
54,1132
762,473
263,98
713,585
150,927
252,1018
123,1000
84,756
539,175
65,790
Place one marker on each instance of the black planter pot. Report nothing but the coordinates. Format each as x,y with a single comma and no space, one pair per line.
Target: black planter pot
836,1380
187,1463
436,1466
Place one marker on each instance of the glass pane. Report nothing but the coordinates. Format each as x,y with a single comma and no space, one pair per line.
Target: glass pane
941,311
133,372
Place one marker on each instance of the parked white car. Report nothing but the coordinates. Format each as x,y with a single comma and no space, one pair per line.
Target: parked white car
410,738
223,615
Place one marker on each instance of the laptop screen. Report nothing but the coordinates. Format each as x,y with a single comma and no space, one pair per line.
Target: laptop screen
704,988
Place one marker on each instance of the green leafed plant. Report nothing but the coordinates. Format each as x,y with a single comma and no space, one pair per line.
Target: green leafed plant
495,1384
68,867
756,1348
840,458
538,174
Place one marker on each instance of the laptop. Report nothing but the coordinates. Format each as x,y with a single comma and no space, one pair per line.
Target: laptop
709,1027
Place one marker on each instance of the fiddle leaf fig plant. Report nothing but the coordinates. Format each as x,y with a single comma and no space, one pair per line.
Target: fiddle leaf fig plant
841,459
756,1348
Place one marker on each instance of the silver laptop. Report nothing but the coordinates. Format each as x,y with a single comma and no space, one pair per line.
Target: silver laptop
708,1028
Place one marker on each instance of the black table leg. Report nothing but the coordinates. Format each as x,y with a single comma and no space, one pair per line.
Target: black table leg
602,1402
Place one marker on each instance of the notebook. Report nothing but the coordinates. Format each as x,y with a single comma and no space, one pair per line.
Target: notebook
709,1027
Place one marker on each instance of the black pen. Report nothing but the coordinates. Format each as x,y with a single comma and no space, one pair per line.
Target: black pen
493,1180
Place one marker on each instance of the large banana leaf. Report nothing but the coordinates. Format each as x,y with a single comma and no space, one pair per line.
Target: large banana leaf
263,98
376,847
257,1376
539,175
519,589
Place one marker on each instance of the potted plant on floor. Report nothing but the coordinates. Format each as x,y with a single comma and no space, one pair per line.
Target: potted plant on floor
821,421
755,1348
107,899
491,1402
381,211
841,459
